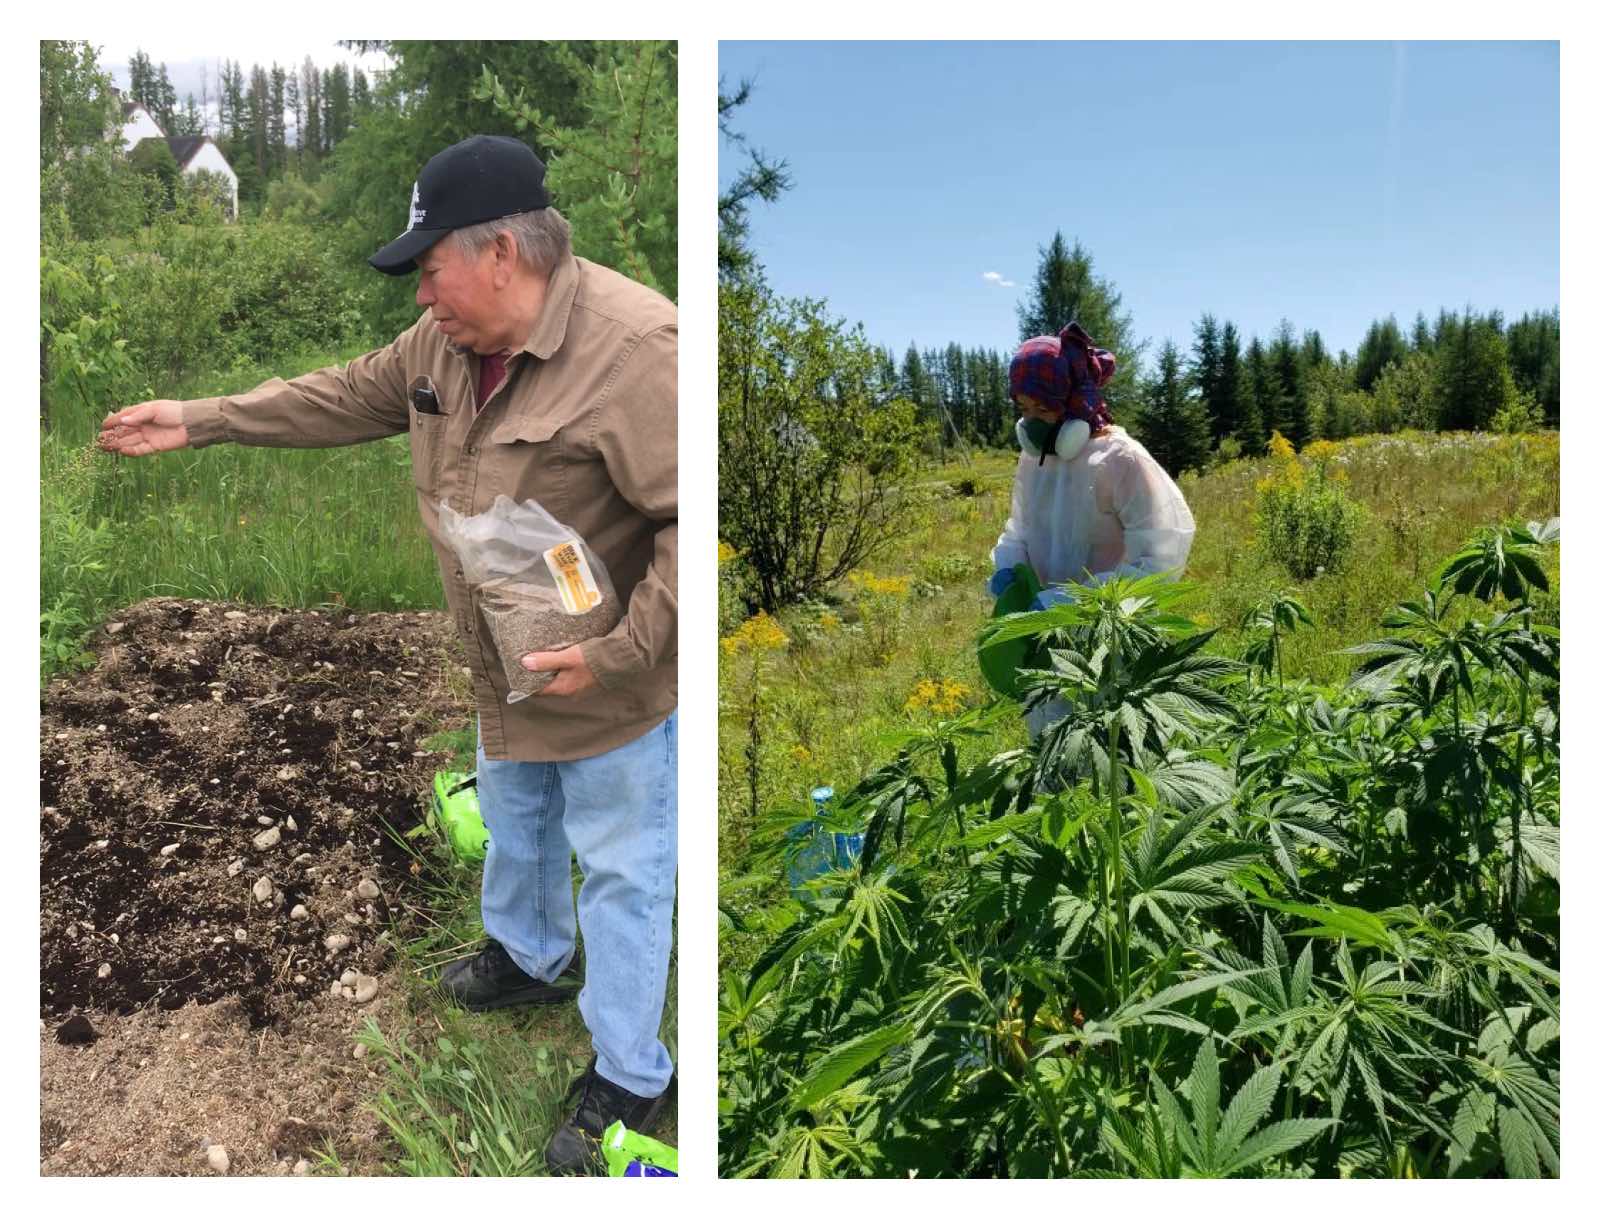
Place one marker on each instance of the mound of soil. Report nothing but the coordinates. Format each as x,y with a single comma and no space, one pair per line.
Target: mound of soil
219,798
214,795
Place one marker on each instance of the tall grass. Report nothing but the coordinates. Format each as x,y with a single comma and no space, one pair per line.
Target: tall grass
296,528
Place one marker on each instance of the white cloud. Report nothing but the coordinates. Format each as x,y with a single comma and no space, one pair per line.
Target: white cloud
995,277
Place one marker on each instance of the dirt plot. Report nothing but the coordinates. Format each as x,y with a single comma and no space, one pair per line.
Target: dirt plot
214,801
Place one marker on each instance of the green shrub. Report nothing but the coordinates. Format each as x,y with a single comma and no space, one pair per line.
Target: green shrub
206,295
949,569
77,553
1521,413
1307,524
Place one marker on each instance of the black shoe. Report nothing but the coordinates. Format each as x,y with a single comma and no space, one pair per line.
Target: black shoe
490,980
575,1148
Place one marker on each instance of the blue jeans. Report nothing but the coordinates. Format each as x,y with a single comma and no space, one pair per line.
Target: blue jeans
619,813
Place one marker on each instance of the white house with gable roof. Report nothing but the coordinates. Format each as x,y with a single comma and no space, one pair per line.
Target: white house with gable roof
192,152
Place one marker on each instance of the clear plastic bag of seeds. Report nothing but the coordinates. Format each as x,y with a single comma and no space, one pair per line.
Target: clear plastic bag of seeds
539,585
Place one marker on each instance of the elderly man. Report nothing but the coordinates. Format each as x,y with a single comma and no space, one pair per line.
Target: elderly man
542,376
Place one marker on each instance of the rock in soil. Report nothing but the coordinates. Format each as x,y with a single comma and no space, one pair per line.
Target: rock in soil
267,839
76,1030
217,1159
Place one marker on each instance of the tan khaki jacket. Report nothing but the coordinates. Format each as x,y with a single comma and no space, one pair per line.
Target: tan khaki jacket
585,423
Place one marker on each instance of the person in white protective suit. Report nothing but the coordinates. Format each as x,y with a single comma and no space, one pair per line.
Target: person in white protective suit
1088,502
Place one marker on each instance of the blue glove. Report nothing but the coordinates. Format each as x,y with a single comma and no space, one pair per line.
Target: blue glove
1000,580
1049,597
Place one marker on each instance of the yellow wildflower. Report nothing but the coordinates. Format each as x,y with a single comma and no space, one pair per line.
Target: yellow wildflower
828,622
941,697
758,633
1319,449
1279,447
725,552
800,754
881,585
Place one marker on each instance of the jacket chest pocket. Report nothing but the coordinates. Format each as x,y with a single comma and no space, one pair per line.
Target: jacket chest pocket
531,459
427,449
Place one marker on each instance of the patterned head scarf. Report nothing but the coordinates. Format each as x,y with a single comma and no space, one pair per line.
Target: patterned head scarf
1066,372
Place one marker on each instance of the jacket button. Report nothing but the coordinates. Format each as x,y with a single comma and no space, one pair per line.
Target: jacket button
460,574
472,449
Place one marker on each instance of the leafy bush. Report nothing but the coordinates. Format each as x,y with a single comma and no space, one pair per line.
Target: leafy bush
204,197
1521,413
76,550
186,296
1307,524
811,467
292,198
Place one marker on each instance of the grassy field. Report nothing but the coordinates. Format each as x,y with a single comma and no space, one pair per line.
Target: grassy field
820,696
301,529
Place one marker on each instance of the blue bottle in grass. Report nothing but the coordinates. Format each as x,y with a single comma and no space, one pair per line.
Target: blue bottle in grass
813,850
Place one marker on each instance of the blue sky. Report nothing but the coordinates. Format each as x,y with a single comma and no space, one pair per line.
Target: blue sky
1329,183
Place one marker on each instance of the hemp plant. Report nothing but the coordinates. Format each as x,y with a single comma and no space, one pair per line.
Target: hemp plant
1131,682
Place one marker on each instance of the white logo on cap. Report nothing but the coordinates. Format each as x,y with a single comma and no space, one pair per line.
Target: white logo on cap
418,214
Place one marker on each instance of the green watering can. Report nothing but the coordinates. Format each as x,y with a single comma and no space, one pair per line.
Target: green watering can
999,663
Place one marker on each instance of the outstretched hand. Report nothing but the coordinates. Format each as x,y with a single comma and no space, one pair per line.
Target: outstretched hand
569,665
145,429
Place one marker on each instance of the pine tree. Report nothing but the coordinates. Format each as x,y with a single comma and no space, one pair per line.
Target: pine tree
238,124
1383,345
1473,374
1533,345
360,96
190,122
1227,405
166,101
1207,364
759,178
293,105
1294,408
1258,418
324,90
277,139
1065,289
311,134
338,125
955,391
141,81
1173,424
1421,338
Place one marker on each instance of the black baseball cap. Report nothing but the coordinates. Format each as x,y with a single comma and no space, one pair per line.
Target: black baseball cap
481,178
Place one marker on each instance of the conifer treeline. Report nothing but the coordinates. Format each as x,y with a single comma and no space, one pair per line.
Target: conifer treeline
256,112
1460,371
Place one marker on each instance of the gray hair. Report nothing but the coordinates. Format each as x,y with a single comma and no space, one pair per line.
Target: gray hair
543,237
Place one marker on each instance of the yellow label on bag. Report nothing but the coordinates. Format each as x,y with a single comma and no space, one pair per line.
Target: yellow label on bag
579,593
